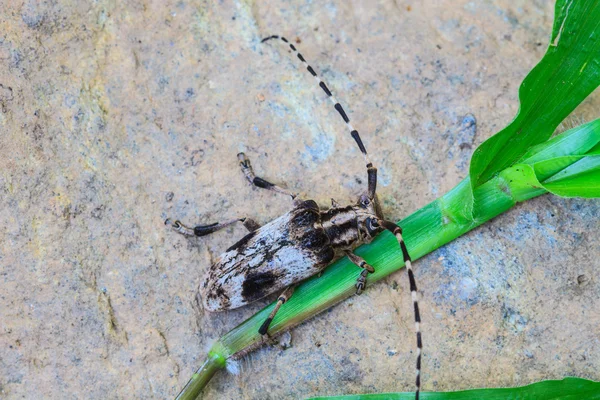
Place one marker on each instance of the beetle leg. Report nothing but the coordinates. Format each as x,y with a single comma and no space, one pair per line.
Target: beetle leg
250,224
361,281
202,230
285,296
257,181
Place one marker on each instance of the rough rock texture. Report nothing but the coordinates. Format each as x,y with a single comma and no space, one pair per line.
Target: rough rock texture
115,115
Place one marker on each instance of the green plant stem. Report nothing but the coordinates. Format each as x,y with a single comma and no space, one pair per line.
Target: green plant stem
424,231
212,364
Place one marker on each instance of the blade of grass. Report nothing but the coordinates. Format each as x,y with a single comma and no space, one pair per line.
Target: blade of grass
580,179
576,141
568,73
566,389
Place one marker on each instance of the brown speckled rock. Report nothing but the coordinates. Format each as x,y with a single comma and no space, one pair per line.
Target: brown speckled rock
115,115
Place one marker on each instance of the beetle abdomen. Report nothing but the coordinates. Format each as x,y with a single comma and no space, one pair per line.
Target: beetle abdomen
283,252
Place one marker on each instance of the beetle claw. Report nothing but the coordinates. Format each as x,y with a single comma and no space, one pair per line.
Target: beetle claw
361,282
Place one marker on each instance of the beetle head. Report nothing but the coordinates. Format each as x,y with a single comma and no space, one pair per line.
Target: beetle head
368,212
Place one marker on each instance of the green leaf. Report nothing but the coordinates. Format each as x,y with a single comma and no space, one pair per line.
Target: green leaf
567,164
568,73
546,168
570,176
580,179
566,389
595,149
577,141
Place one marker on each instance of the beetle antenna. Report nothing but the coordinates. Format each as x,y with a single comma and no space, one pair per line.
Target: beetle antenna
397,231
371,170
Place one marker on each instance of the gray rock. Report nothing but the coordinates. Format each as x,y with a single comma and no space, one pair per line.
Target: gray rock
116,115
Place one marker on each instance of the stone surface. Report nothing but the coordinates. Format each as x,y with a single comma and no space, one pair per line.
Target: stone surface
115,115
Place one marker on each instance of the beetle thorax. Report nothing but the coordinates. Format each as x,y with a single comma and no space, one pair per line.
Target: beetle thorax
351,226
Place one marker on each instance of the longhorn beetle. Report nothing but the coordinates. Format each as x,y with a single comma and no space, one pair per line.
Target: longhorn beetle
298,244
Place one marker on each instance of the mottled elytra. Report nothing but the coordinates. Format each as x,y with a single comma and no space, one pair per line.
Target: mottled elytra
299,244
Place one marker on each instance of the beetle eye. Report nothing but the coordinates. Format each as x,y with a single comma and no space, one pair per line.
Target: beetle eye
373,223
372,226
